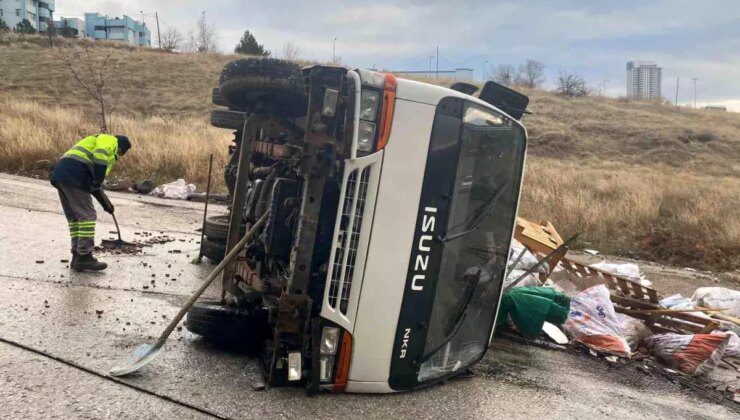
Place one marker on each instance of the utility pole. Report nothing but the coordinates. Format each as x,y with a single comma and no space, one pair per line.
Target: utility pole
603,90
678,79
334,52
437,62
159,37
694,79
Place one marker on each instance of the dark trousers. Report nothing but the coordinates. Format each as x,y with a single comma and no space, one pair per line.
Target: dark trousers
80,213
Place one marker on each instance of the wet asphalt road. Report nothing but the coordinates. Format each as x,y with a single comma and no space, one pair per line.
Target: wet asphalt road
47,307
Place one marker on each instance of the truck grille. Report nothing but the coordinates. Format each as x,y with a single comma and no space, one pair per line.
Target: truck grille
345,255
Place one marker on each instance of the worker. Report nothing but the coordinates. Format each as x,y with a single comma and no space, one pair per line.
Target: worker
78,176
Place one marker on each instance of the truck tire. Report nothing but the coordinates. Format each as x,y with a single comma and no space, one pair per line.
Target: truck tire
242,328
232,120
264,85
216,97
213,250
217,228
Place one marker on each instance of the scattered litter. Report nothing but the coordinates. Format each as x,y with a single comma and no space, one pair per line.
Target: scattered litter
693,355
593,322
629,270
633,330
39,261
99,311
591,251
176,189
555,333
718,298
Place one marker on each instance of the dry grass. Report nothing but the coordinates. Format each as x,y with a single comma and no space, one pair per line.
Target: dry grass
659,213
636,179
33,136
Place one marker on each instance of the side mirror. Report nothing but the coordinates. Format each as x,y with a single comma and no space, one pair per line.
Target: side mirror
506,99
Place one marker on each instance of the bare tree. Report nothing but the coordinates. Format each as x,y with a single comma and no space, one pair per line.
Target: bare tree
171,40
571,84
504,74
203,40
531,74
290,51
92,70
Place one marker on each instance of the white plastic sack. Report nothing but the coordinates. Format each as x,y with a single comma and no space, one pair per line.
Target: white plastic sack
527,261
718,298
695,355
633,330
530,280
629,270
176,189
593,322
733,344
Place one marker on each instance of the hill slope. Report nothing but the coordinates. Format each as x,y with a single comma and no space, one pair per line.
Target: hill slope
635,178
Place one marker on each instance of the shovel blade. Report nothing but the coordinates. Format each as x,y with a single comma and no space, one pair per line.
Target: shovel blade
139,358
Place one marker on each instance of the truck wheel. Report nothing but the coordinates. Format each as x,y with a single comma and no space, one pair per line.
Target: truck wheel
264,85
216,97
242,328
217,228
213,250
233,120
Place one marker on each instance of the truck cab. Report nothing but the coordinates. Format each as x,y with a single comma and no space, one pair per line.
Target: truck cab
392,205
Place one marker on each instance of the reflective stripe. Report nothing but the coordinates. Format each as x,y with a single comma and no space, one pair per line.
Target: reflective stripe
85,151
86,235
86,223
102,151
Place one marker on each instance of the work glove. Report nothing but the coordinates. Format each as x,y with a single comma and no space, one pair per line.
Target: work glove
103,200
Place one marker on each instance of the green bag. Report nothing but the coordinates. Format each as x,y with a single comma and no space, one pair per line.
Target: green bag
530,307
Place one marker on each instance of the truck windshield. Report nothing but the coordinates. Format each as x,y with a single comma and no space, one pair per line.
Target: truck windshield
478,234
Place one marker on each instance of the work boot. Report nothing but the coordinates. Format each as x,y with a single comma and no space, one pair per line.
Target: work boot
88,263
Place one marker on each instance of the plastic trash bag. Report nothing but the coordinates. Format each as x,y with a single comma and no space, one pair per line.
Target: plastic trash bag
593,322
530,307
176,189
718,298
633,330
629,270
693,355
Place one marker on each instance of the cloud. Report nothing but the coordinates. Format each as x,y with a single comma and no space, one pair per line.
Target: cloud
595,38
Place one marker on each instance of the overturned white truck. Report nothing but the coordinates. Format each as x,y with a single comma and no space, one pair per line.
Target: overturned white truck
391,209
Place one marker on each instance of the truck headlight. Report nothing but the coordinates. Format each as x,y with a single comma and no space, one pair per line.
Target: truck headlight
366,136
369,104
326,368
329,340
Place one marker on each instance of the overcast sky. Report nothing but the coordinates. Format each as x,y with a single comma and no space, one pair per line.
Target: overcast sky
688,38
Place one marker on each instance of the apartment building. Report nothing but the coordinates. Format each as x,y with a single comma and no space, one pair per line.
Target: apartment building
644,80
123,29
38,12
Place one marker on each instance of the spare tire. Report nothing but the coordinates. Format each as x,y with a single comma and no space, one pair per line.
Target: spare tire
216,97
217,227
244,328
233,120
264,85
213,250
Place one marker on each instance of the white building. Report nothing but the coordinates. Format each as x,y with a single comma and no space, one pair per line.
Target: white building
70,27
38,12
644,80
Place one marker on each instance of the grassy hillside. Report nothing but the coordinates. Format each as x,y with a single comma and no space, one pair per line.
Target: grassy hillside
635,178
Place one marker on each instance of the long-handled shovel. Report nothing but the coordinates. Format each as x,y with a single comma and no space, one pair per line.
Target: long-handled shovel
145,353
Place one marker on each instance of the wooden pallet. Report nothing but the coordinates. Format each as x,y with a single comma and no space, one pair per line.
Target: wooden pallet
676,322
626,286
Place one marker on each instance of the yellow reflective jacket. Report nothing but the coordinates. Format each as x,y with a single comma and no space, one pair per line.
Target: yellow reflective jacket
97,154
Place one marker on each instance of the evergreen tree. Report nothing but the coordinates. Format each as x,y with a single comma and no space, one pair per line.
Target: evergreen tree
25,27
248,46
3,26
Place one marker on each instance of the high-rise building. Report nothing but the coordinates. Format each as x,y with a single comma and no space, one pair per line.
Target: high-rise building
37,12
644,80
